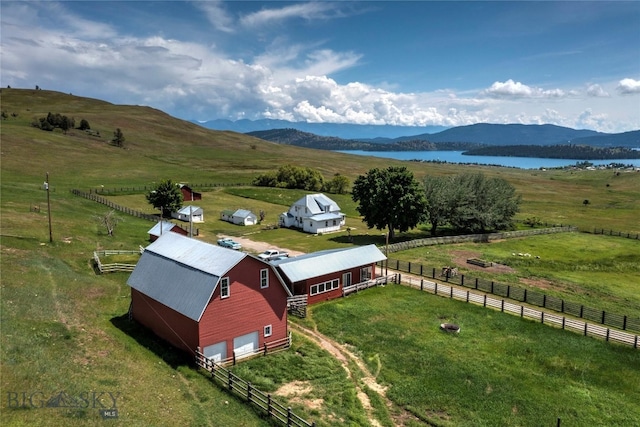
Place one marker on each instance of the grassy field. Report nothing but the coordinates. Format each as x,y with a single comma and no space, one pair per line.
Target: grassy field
499,370
64,328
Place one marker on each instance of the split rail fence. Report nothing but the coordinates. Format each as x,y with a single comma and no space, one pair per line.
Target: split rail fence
587,329
237,386
116,266
626,323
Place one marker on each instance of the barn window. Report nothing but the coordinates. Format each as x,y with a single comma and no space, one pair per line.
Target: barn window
267,331
264,278
224,287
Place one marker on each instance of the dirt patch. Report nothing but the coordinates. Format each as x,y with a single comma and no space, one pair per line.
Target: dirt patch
256,247
460,259
297,392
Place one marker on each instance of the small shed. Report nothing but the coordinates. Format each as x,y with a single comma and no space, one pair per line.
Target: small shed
323,275
201,297
189,214
188,195
239,217
164,227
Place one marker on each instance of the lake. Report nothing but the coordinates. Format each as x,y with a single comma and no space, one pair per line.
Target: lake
458,157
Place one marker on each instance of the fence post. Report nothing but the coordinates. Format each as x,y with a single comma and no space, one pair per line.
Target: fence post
563,321
230,380
422,284
603,313
436,288
522,311
450,291
624,323
288,416
249,392
269,407
542,317
502,306
608,334
585,328
476,283
525,296
544,300
485,300
462,280
467,296
581,311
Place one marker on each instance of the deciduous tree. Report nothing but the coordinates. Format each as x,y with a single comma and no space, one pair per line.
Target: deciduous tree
389,198
166,196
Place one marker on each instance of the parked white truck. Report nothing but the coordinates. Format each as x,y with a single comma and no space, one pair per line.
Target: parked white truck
273,254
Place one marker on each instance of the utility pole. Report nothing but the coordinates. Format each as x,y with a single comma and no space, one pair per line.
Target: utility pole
46,187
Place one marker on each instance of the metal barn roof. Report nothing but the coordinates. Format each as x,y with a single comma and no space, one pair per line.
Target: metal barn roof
182,273
324,262
243,213
161,227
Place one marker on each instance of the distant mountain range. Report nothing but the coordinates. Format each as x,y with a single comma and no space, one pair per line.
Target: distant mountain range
339,130
332,136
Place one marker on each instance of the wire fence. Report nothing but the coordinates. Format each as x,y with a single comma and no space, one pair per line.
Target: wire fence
519,294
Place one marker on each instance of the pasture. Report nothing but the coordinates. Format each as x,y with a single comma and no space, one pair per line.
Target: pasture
64,328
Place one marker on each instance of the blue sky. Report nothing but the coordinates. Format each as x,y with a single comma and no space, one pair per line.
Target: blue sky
414,63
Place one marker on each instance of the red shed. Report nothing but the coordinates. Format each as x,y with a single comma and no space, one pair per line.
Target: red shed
188,195
164,227
198,296
323,275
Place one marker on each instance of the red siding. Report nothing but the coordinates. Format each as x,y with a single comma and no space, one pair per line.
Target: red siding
166,323
189,195
305,286
247,309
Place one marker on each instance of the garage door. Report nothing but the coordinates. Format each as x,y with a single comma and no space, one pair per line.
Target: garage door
216,352
246,344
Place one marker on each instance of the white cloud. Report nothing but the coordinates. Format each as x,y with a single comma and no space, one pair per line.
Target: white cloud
308,11
216,15
628,86
597,91
516,90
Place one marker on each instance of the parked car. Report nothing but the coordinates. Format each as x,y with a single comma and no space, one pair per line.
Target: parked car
272,255
226,242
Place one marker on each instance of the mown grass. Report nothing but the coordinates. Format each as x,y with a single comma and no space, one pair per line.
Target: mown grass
499,370
65,328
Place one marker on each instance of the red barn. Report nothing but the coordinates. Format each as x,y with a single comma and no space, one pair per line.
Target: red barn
324,275
188,195
227,304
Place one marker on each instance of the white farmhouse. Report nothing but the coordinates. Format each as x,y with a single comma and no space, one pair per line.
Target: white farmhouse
239,217
314,213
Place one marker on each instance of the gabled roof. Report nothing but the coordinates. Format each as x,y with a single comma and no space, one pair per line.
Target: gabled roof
161,228
182,273
187,210
318,203
325,262
243,213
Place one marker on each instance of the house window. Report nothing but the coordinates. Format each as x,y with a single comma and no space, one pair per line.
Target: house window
365,273
224,287
326,223
324,287
264,278
267,331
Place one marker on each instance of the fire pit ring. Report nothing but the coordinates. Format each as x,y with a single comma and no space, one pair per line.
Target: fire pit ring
450,327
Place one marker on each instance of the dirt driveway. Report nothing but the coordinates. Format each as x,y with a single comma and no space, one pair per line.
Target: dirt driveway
256,247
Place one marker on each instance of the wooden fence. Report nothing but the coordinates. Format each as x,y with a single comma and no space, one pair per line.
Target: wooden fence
235,385
475,238
635,236
114,267
587,329
539,299
124,209
146,189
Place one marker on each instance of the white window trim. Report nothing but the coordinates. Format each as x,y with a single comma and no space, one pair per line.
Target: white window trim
327,286
264,278
224,283
268,330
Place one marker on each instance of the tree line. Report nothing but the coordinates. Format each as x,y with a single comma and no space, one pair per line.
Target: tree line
59,121
393,199
302,178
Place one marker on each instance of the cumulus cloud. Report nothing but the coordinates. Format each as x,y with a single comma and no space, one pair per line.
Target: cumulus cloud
290,81
628,86
597,91
515,90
